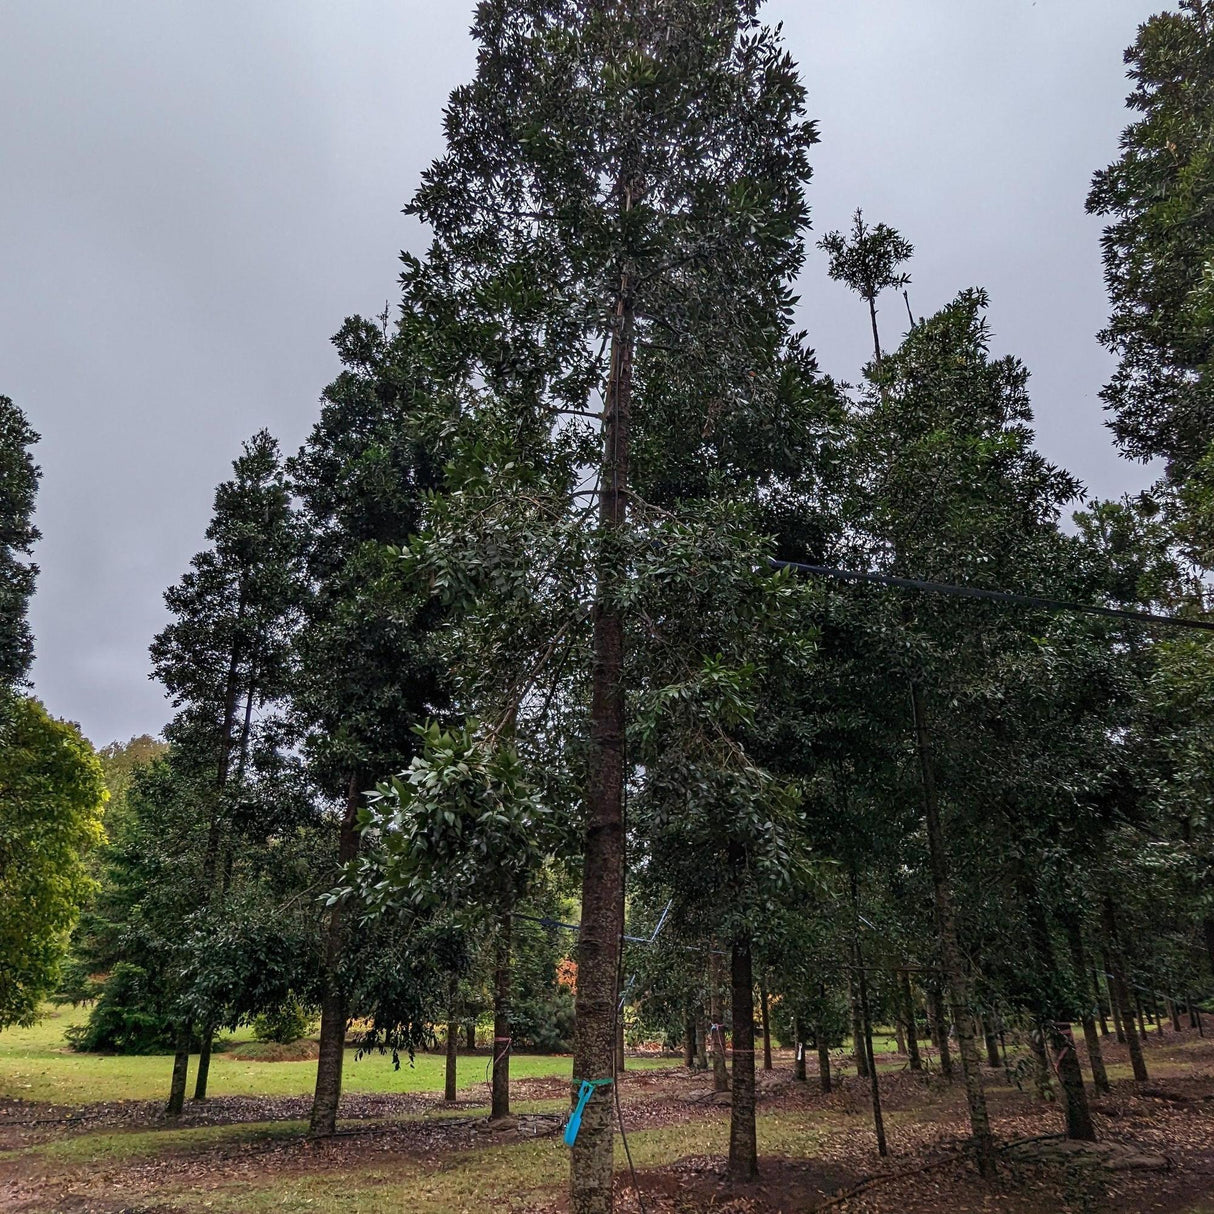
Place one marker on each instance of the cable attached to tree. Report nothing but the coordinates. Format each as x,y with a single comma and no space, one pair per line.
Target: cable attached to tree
997,596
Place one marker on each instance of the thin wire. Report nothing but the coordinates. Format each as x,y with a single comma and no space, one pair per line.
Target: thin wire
998,596
619,1108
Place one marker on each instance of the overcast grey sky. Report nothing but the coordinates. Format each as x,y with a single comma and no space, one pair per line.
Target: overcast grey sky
196,192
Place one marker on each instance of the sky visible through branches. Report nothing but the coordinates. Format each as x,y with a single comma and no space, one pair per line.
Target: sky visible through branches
197,194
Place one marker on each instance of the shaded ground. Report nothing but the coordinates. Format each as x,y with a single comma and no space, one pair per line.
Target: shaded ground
409,1151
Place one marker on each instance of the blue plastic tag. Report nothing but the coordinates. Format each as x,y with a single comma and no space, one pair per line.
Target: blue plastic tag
583,1098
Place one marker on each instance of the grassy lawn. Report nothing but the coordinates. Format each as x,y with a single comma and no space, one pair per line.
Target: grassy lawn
37,1064
459,1182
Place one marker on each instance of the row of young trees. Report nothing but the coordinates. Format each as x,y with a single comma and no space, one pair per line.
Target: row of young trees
524,618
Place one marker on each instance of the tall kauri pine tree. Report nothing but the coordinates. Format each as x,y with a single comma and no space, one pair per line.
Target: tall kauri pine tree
1159,245
222,659
364,674
620,179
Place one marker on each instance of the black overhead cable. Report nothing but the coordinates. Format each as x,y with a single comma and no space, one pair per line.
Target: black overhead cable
999,596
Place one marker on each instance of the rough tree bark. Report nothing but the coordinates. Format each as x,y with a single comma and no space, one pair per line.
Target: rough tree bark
181,1066
1079,1125
701,1044
950,947
204,1062
591,1158
449,1075
743,1144
500,1094
334,1004
689,1043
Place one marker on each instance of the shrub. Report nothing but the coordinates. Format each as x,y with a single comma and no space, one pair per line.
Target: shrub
124,1019
287,1022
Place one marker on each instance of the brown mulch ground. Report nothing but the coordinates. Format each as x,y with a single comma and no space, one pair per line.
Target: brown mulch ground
1156,1151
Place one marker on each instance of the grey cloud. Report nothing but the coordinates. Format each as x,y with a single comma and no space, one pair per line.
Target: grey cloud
196,193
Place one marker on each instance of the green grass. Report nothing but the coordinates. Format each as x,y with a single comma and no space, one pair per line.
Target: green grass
493,1177
119,1146
37,1064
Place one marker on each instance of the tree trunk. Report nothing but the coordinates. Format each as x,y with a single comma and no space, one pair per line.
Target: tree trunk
500,1096
867,1023
689,1043
872,314
701,1044
1114,1009
899,1035
204,1062
1141,1015
823,1061
591,1159
766,1021
1078,1114
227,741
743,1144
334,1006
857,1029
950,948
720,1076
1119,989
470,1036
939,1027
1101,1006
1209,935
1043,1079
1056,1034
1100,1076
1079,963
181,1067
992,1044
1174,1012
449,1077
798,1070
912,1028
